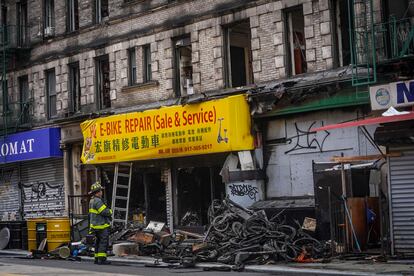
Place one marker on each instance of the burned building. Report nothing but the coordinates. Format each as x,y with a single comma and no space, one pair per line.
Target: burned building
300,65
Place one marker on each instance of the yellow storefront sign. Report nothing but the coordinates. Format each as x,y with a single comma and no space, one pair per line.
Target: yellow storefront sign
210,127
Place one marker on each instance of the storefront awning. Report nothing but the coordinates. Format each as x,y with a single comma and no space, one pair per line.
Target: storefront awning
370,121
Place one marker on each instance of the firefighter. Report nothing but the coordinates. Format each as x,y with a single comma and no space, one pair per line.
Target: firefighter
99,223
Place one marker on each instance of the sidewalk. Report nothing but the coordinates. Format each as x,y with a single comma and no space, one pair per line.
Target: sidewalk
336,267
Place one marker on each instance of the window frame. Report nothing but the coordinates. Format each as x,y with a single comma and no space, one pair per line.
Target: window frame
132,66
74,92
289,41
49,14
146,63
99,16
72,15
24,98
49,95
99,82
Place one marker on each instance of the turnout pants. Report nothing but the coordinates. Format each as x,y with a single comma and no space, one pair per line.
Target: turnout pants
101,243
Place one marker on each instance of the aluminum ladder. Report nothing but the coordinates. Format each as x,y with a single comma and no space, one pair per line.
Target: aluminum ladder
120,193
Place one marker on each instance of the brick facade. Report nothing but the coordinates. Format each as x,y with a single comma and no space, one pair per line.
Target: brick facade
156,23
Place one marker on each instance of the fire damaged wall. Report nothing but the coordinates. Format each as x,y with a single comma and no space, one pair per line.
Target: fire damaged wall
291,148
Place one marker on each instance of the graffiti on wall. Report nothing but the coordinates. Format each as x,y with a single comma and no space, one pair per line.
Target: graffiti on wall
244,190
42,199
304,139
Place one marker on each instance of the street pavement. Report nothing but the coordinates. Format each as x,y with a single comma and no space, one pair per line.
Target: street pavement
19,266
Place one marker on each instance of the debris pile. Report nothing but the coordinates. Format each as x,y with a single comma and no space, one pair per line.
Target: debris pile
235,235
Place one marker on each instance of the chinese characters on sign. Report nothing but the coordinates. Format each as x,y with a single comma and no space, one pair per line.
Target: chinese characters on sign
215,126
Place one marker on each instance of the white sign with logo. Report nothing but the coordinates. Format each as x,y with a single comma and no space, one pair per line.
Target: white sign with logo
393,94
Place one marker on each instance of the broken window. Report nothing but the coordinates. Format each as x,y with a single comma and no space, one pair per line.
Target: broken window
399,16
101,10
132,66
146,62
183,67
21,23
340,20
74,87
238,57
72,15
24,99
49,18
102,82
296,49
196,188
51,93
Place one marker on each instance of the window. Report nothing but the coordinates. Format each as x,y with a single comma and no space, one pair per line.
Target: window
49,18
51,93
74,88
4,19
238,69
183,67
101,10
22,34
5,96
340,21
295,29
146,54
102,82
72,15
24,99
132,66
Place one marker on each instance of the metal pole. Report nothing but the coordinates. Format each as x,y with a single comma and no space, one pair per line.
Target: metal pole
343,181
330,220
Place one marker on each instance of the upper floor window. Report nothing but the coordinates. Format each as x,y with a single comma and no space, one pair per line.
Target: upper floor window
340,21
237,55
74,88
72,15
296,47
103,83
5,96
49,18
132,66
22,30
51,93
24,99
101,10
183,67
146,63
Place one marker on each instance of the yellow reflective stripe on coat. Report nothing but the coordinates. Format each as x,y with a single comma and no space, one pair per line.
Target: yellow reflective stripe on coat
100,255
103,207
98,227
93,211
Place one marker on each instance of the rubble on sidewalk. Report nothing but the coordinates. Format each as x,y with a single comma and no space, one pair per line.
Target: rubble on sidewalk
235,235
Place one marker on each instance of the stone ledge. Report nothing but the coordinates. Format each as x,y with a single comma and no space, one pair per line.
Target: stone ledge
140,86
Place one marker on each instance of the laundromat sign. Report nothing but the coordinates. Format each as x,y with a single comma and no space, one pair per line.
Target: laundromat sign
210,127
394,94
29,145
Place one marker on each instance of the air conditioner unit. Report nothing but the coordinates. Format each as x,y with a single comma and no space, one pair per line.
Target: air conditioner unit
49,31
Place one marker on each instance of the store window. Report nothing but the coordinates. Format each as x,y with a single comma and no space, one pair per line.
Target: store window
72,15
183,66
238,57
295,30
51,93
102,82
197,187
